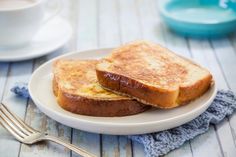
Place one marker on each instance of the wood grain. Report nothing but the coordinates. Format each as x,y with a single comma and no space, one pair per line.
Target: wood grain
204,54
18,72
108,23
226,57
138,149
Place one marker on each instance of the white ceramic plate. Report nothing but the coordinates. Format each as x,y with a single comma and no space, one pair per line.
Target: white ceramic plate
49,38
40,88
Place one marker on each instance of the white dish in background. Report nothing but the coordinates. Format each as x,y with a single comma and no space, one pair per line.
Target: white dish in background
51,36
40,88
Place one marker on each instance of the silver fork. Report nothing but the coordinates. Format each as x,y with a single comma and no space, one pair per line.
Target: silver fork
26,134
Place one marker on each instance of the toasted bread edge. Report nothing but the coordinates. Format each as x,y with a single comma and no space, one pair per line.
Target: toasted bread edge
91,107
189,93
150,95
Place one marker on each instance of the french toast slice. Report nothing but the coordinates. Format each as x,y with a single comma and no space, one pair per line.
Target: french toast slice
77,90
152,75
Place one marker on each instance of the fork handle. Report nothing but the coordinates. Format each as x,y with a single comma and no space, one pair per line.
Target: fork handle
74,148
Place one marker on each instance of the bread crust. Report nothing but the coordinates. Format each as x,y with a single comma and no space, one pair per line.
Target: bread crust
134,89
150,95
188,93
96,107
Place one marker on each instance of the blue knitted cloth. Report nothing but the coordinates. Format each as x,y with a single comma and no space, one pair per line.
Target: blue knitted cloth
160,143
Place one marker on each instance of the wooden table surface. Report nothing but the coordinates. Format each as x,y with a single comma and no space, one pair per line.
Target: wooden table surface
108,23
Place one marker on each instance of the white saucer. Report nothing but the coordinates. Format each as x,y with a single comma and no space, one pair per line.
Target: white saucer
40,88
50,37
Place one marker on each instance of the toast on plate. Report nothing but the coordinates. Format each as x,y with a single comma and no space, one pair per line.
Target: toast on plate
77,90
152,75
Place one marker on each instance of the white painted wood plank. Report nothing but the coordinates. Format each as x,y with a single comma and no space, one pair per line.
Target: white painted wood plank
40,121
206,144
227,141
233,118
129,21
110,146
204,55
183,151
87,141
226,56
138,149
86,32
176,43
108,23
232,40
125,146
18,72
4,135
150,21
3,77
86,38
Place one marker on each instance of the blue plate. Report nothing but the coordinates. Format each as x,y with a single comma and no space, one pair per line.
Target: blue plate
199,18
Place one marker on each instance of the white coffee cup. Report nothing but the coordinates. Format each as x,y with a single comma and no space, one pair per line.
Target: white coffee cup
20,20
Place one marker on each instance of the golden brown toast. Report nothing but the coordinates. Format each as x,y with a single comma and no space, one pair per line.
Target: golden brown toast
152,75
77,90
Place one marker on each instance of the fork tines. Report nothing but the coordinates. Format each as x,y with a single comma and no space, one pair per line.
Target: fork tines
14,124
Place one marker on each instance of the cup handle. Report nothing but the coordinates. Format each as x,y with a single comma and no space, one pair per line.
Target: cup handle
55,13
